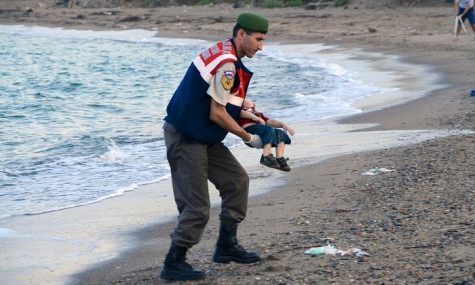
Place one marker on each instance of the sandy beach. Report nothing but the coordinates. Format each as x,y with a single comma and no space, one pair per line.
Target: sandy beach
416,222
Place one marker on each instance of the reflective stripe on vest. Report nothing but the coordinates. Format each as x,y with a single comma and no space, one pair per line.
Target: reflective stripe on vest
189,107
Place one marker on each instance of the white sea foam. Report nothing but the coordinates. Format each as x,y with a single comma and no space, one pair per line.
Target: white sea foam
3,177
87,169
72,170
117,193
383,80
6,232
132,35
113,154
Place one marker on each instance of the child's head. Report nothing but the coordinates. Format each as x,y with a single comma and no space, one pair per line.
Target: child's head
248,104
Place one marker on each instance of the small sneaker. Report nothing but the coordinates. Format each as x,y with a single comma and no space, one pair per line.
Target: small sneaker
270,161
282,161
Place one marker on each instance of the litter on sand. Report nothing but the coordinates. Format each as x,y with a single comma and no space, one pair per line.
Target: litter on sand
332,250
376,171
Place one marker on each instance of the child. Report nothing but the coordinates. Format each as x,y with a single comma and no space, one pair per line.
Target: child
464,9
270,133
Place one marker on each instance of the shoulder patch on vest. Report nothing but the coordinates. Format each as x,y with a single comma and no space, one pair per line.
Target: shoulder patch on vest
227,79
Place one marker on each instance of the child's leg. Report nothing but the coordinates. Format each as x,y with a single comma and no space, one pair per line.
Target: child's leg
471,18
267,149
281,160
267,158
459,25
279,150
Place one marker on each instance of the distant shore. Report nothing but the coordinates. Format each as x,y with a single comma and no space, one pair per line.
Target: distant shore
416,222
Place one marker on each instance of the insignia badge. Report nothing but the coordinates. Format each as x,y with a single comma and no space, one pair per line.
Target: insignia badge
227,80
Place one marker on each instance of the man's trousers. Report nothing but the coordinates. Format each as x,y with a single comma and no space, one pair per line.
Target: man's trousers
192,164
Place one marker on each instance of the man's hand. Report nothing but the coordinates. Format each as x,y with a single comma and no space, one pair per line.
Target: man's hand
221,117
255,141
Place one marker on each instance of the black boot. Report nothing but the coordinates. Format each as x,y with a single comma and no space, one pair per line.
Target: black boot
176,267
228,248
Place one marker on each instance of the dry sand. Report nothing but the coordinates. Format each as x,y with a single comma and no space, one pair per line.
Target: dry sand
418,222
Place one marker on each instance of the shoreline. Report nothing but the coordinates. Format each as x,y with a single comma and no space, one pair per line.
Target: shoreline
113,270
145,204
282,248
403,87
427,112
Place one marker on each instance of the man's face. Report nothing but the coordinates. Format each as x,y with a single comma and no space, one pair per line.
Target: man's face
252,43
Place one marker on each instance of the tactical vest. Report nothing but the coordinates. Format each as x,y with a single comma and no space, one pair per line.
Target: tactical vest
189,108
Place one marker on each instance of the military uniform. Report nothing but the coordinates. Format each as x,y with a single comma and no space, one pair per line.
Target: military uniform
196,153
194,143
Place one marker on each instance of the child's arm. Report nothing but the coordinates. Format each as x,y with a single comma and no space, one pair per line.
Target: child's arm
251,116
278,124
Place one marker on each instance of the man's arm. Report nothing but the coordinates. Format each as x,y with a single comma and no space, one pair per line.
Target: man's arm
219,89
221,117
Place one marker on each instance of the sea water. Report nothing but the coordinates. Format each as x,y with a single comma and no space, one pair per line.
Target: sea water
81,111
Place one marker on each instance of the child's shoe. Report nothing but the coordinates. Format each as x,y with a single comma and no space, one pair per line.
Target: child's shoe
270,161
282,161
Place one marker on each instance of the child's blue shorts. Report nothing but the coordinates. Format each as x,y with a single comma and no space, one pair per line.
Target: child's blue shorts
470,15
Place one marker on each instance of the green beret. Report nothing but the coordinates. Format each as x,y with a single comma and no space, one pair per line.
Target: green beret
253,22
